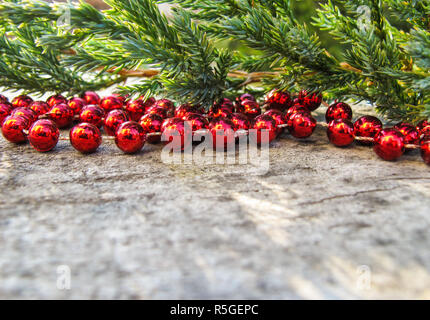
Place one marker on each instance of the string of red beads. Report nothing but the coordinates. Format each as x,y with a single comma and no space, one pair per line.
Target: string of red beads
135,122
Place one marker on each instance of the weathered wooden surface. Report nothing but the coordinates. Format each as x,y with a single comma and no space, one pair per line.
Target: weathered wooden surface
323,222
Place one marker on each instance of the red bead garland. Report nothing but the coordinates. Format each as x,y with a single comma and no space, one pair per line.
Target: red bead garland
279,100
43,135
16,120
111,103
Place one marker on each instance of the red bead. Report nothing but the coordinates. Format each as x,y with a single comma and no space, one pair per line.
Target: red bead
135,109
367,126
242,98
280,100
92,114
110,103
172,127
224,103
122,98
197,121
40,107
151,123
425,131
310,100
25,112
338,110
61,114
279,118
389,144
56,99
240,121
113,120
21,101
265,122
425,151
3,99
297,108
13,128
77,104
410,133
340,132
91,97
301,125
130,137
218,111
251,109
85,137
43,135
166,104
157,110
184,109
5,111
148,102
422,124
222,127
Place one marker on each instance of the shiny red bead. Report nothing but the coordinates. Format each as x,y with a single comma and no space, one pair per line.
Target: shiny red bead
410,133
162,112
338,110
92,114
422,124
340,132
56,99
111,103
148,102
136,109
368,127
197,121
166,104
241,122
22,101
13,129
122,98
43,135
218,111
3,99
251,109
425,131
389,144
279,118
425,151
40,107
310,100
113,120
151,123
224,103
76,104
265,122
85,137
61,114
184,109
297,108
91,97
301,125
279,100
173,127
130,137
5,111
222,130
25,112
242,98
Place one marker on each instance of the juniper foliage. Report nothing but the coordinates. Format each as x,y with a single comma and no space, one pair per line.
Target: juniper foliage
385,58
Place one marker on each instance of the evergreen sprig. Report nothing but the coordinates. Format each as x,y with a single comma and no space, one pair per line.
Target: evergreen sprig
382,62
